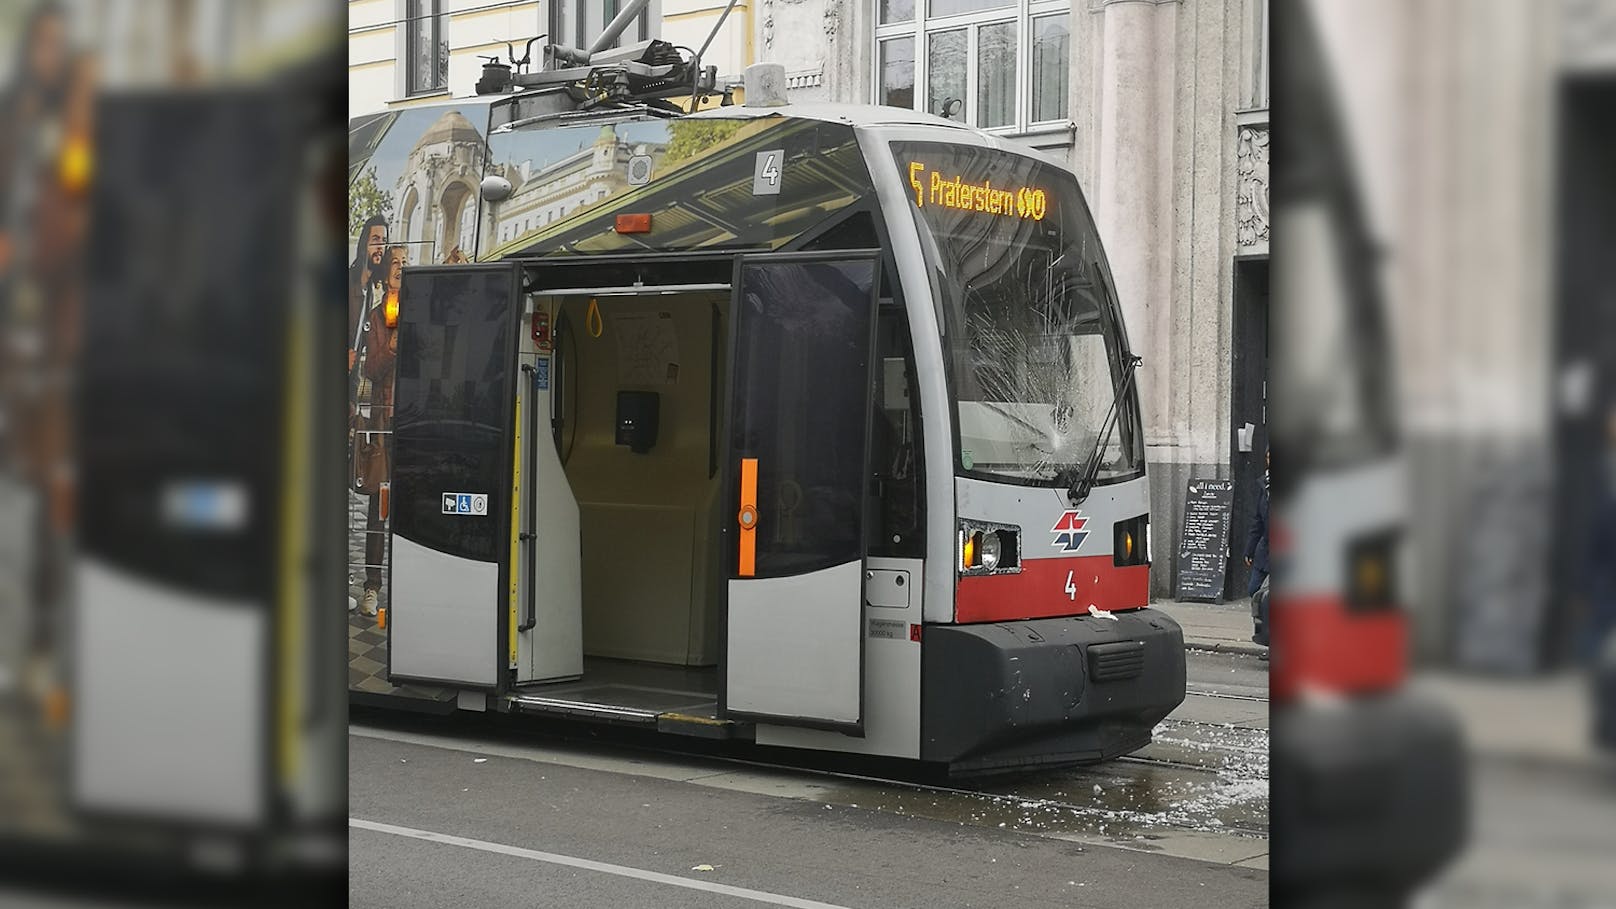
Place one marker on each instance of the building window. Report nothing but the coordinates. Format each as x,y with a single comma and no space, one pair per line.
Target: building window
426,34
580,22
995,64
1260,51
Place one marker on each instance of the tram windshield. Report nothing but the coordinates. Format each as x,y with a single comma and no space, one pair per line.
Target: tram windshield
1033,335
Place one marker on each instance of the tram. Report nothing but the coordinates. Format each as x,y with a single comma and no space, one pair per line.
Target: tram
811,426
1370,780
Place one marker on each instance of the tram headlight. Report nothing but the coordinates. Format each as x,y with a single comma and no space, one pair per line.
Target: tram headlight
1371,575
989,548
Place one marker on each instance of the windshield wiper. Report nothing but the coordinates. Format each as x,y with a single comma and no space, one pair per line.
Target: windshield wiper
1079,480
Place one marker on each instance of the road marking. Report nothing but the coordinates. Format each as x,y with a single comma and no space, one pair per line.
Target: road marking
655,877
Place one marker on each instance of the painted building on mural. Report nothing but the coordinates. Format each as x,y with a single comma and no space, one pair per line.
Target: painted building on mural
544,192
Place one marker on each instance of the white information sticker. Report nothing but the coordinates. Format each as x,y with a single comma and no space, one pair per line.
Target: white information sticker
472,503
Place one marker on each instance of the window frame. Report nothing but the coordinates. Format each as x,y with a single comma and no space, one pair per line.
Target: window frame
570,20
1022,13
436,22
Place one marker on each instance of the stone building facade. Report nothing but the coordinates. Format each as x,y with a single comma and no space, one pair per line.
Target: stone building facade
1481,132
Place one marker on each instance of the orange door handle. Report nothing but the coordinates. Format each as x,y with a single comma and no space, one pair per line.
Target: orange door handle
747,518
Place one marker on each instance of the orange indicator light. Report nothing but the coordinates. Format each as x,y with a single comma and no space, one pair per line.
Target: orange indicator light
634,224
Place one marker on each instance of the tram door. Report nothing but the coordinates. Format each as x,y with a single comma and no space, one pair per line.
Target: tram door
454,419
802,332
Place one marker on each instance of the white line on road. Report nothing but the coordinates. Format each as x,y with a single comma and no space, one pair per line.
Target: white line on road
655,877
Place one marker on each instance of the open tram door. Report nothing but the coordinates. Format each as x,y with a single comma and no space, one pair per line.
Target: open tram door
463,604
796,462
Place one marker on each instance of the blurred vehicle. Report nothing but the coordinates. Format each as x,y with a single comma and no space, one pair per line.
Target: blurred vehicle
1369,781
206,727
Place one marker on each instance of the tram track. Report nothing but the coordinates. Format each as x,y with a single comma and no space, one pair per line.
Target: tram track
1023,804
1198,776
974,798
1224,695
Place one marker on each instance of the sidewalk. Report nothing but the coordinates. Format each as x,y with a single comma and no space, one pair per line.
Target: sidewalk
1541,721
1218,627
1544,721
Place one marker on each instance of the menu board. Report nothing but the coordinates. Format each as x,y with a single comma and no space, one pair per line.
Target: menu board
1203,543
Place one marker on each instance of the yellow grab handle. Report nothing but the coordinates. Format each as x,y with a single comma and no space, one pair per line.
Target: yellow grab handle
593,321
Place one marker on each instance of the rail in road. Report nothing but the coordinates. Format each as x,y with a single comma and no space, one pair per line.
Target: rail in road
1205,773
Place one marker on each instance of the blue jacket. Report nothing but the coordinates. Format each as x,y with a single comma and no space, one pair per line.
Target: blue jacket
1257,538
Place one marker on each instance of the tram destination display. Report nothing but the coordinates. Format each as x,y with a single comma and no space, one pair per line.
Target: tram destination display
1203,545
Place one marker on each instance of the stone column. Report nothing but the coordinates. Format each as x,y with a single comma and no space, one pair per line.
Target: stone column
1132,186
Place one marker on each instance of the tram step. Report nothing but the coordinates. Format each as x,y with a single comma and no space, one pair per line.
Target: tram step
610,713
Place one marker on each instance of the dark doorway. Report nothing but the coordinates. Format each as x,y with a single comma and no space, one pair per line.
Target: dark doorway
1585,321
1248,410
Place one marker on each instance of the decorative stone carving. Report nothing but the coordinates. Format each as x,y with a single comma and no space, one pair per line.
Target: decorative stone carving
808,60
808,78
1251,189
792,14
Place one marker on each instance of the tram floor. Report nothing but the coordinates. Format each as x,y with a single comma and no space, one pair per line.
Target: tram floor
635,687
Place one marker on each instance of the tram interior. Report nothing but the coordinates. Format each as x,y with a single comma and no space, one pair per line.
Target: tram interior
649,518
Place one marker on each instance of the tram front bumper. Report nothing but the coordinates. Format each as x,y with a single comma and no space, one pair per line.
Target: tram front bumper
1069,690
1369,795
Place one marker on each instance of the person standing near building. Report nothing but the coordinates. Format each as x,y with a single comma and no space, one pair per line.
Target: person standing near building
1257,537
1257,559
1598,581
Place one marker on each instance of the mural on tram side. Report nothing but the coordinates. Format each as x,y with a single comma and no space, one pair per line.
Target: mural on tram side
706,184
412,200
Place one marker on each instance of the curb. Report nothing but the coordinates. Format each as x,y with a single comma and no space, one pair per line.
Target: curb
1556,762
1241,648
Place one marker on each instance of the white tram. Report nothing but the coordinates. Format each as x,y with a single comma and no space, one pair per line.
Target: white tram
813,426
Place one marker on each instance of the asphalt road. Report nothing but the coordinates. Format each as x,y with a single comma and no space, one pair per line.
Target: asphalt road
467,816
531,832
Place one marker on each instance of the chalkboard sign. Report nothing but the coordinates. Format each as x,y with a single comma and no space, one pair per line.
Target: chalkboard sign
1203,543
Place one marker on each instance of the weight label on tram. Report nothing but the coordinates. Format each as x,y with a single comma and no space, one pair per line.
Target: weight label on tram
769,172
1203,543
890,629
472,503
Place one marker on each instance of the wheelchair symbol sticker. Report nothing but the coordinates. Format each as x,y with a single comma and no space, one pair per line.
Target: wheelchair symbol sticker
474,503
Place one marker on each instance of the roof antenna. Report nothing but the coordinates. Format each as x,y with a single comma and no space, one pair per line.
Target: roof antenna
527,53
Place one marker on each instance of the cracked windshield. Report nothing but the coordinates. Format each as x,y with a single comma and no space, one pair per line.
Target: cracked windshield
1027,302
